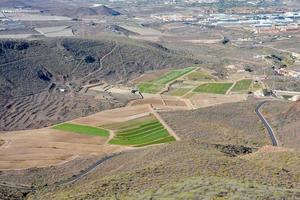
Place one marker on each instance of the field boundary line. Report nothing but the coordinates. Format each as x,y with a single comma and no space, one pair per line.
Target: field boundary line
111,136
232,86
170,130
168,85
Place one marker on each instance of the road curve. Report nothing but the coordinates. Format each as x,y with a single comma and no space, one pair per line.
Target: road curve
266,123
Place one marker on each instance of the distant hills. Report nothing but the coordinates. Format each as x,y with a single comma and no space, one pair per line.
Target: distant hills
61,8
99,10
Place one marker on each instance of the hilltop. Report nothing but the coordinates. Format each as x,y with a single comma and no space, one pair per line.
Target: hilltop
90,11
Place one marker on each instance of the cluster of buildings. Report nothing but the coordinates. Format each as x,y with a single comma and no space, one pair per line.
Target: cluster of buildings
175,18
288,73
275,22
19,10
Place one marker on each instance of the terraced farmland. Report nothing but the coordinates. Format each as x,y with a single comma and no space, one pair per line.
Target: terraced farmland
82,129
179,88
200,76
158,84
242,85
215,88
141,133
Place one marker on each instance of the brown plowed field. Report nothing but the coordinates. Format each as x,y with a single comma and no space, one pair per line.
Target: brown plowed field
44,147
114,115
149,76
153,101
206,100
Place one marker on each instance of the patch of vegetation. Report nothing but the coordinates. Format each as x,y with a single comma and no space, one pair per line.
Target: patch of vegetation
158,84
216,188
172,75
82,129
200,76
89,59
141,134
216,88
178,91
150,87
242,85
287,96
129,124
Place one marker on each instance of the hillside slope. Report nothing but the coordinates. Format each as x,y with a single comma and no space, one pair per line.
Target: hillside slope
285,119
32,73
223,168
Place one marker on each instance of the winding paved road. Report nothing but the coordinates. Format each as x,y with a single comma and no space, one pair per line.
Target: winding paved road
266,123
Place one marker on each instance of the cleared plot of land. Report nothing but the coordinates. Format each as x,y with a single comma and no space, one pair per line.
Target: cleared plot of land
82,129
242,85
150,76
148,100
159,83
179,88
141,133
200,76
205,100
215,88
44,147
57,31
115,115
37,17
143,30
178,91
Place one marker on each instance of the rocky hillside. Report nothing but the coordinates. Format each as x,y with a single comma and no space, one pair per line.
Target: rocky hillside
32,73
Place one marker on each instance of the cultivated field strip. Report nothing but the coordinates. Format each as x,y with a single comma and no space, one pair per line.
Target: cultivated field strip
159,83
141,133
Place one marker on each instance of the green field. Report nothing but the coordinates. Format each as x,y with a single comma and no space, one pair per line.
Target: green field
242,85
150,87
82,129
178,91
141,133
158,84
215,88
172,75
200,76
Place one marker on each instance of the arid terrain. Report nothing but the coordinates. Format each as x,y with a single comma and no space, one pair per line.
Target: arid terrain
149,99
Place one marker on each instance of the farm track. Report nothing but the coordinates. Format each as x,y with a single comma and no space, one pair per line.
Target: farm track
159,118
101,62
